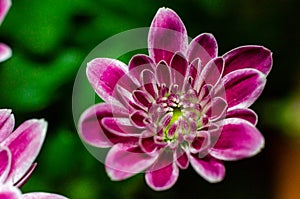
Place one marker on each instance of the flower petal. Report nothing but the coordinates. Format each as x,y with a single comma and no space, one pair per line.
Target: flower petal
24,144
182,159
5,160
257,57
246,114
149,83
204,47
243,87
104,74
179,67
239,139
212,71
208,167
10,192
7,123
138,64
216,109
120,126
40,195
123,161
167,35
4,7
163,173
5,52
90,127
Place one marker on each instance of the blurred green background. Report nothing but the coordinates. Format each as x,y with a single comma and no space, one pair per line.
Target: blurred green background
51,38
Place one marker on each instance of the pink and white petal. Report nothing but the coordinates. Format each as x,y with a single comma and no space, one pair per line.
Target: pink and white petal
246,114
90,127
163,174
209,168
139,118
163,74
257,57
104,74
216,109
204,47
124,161
147,144
5,52
5,160
167,35
149,83
138,64
41,195
10,192
212,71
7,123
4,7
26,176
242,87
239,139
24,144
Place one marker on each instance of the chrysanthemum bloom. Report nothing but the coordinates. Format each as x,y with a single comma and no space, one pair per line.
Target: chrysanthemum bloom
5,51
18,150
183,104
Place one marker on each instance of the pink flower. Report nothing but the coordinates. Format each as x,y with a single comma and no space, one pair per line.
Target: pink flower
18,150
183,104
5,51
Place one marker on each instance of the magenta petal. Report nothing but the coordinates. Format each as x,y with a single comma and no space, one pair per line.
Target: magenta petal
26,176
239,139
123,161
4,7
246,114
40,195
10,192
104,74
25,143
90,128
7,122
163,74
257,57
204,47
243,87
182,158
5,52
208,167
138,118
163,173
216,108
179,67
5,163
139,63
149,83
167,35
120,126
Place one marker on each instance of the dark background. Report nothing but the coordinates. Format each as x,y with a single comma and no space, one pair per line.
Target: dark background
51,38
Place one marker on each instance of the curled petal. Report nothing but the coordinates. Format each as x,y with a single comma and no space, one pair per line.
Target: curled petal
5,163
179,67
243,87
216,108
212,71
139,63
5,52
4,7
204,47
123,161
25,143
239,139
167,35
40,195
138,118
182,159
208,167
163,74
120,126
90,128
163,173
10,192
149,83
257,57
7,122
246,114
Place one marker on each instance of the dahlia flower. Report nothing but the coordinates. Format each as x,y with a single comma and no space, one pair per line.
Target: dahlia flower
5,51
18,150
181,105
